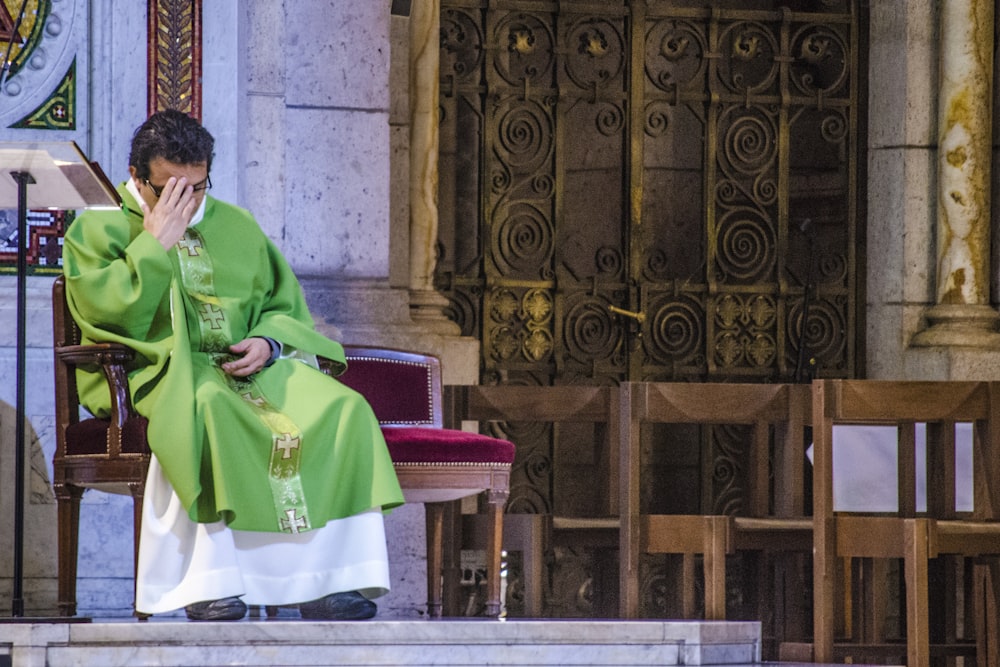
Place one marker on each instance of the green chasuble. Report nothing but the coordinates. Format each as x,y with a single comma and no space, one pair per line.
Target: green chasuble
285,450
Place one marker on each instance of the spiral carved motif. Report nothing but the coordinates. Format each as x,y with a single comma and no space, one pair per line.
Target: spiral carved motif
832,267
524,136
590,332
523,241
609,260
527,435
751,65
461,45
526,499
526,49
675,55
834,128
765,190
597,55
750,142
821,60
676,330
745,249
824,333
463,309
610,120
657,120
657,591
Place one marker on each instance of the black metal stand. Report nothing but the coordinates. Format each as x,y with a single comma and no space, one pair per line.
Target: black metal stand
23,179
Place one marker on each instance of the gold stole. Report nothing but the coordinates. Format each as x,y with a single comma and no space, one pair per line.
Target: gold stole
216,336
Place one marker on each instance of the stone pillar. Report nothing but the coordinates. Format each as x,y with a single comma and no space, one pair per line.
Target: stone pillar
962,315
426,304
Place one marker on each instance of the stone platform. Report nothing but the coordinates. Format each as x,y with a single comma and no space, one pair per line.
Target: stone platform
271,643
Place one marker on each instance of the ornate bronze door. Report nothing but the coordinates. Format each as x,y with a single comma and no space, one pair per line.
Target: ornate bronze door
649,189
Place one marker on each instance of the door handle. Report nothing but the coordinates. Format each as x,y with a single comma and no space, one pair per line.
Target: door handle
639,316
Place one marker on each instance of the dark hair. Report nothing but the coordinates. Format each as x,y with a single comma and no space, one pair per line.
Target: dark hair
174,136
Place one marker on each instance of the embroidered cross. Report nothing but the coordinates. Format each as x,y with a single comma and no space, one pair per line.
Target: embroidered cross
292,523
191,245
286,444
250,398
213,315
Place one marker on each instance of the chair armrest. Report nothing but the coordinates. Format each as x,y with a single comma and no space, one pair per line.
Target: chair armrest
329,366
96,354
111,358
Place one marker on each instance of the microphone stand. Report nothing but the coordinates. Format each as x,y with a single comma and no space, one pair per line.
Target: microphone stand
62,178
22,178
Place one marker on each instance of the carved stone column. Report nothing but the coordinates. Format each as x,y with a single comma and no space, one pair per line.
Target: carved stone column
962,315
426,304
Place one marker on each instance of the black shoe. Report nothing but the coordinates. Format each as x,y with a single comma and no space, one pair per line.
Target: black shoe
349,606
225,609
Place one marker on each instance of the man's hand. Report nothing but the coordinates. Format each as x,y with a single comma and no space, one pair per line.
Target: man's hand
255,353
172,212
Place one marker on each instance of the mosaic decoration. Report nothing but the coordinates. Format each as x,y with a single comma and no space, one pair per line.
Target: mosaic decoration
174,56
29,32
44,248
58,112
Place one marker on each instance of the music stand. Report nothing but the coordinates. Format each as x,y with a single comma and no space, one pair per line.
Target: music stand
62,179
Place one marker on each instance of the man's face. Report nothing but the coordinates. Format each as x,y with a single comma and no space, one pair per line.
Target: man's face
160,171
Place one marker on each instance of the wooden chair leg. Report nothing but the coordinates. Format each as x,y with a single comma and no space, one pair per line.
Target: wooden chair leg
435,527
68,520
917,547
689,608
986,605
714,565
451,560
824,589
530,533
137,490
494,541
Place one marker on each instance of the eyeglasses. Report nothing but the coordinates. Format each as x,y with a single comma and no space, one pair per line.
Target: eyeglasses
197,187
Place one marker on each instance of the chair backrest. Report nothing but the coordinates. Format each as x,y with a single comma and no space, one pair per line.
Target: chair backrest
64,332
904,405
403,388
558,404
781,407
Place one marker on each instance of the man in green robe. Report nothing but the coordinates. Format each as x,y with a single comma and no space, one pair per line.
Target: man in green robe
268,477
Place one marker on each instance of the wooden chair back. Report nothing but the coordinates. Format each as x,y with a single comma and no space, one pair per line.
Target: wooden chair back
534,534
911,534
775,482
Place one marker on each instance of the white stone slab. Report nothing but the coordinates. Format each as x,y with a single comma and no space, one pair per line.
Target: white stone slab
385,643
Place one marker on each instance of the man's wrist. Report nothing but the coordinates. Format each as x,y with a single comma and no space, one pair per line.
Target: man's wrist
275,350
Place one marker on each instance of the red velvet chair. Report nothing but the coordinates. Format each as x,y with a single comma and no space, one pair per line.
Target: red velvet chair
435,465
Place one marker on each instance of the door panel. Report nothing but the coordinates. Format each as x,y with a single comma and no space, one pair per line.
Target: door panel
647,190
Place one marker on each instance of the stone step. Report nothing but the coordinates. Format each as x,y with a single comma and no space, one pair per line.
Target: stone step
269,643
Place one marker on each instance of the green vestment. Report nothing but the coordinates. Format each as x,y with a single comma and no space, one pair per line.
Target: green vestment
287,450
